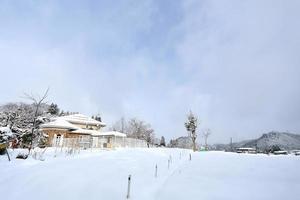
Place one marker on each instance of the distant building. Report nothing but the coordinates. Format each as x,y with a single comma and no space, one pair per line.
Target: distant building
245,150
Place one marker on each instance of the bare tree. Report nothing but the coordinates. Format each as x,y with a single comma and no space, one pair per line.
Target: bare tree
135,128
140,130
120,125
191,126
37,101
206,134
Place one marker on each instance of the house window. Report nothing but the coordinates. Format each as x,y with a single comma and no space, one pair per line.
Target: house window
58,138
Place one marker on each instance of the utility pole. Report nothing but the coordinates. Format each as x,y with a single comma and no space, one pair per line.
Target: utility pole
122,124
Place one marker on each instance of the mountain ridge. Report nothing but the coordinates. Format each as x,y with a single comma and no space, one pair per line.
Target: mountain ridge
284,140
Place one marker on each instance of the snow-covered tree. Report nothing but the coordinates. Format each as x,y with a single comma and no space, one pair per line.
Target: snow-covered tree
98,118
121,125
5,135
191,126
135,128
53,109
184,142
140,130
162,141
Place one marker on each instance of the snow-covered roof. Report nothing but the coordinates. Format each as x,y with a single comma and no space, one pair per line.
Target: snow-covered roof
81,119
110,133
59,123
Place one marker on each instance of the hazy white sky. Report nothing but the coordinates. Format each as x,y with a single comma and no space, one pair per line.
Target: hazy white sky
234,63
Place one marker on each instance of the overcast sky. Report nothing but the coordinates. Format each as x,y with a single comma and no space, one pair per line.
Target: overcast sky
235,64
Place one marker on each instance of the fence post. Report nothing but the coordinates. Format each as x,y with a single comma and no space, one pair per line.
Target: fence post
156,171
128,187
55,150
7,154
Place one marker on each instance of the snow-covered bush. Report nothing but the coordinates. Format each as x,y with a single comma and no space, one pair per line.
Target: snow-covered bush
5,135
19,118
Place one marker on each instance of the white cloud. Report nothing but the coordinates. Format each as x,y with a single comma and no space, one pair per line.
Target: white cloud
234,63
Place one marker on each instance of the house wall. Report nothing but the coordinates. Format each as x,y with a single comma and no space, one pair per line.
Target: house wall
52,133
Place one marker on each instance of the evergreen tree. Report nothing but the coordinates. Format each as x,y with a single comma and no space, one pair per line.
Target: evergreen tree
162,141
53,109
191,126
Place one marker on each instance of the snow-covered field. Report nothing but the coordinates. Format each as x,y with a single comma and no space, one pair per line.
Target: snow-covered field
102,175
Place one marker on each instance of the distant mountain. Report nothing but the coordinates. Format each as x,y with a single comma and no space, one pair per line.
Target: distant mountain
284,140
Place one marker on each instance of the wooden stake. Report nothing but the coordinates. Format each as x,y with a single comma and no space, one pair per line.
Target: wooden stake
128,187
7,154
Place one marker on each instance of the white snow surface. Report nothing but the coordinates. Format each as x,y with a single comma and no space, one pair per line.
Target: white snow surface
102,175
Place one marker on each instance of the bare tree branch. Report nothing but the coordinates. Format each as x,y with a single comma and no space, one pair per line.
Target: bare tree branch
37,101
206,134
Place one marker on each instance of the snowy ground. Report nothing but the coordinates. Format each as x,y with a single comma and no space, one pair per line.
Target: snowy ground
102,175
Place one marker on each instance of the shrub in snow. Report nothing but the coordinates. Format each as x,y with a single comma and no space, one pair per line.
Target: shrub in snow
273,148
5,136
2,149
22,156
38,139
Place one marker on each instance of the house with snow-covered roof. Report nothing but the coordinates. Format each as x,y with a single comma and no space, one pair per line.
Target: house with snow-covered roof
81,131
71,126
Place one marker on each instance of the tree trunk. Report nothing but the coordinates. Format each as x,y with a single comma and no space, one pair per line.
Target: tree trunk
194,140
33,128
